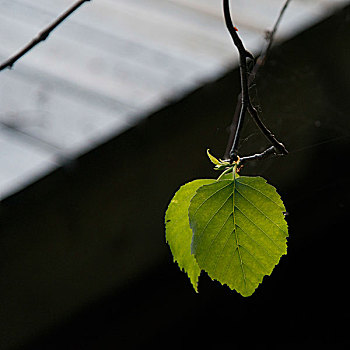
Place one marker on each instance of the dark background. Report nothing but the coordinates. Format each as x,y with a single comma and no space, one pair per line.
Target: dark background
120,191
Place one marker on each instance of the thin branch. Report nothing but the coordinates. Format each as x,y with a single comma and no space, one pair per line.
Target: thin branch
269,152
243,56
270,39
231,149
41,36
261,60
279,146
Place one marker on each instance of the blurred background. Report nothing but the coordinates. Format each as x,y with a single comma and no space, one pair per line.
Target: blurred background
104,121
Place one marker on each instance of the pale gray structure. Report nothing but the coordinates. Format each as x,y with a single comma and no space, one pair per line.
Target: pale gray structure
111,64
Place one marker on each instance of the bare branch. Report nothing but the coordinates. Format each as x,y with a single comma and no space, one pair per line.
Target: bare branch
41,36
243,56
266,51
279,146
236,124
269,152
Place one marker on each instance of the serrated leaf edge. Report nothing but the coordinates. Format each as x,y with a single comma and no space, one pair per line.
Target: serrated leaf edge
281,205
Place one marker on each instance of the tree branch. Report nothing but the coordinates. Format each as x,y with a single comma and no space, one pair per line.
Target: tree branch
259,156
279,146
41,36
243,56
244,102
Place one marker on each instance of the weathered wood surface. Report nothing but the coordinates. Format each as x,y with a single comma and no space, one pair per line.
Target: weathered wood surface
112,63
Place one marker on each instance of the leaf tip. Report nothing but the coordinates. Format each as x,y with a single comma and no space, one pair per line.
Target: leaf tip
212,158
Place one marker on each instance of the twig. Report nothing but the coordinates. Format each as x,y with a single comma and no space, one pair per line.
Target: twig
243,56
259,156
258,64
270,39
41,36
244,103
279,146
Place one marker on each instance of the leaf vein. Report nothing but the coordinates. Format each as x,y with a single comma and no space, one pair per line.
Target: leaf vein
256,242
216,236
222,251
212,217
256,189
212,195
255,258
259,228
259,210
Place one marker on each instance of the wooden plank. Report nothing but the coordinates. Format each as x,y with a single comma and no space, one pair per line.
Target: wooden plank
262,14
169,33
111,41
144,19
101,71
117,69
50,114
128,6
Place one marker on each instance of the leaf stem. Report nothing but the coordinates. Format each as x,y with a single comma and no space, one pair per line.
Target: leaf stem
226,171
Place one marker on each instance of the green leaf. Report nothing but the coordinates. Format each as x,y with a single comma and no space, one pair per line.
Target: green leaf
239,231
213,159
178,231
219,163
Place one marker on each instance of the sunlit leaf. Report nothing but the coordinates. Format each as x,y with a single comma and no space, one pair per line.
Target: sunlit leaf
239,231
213,159
178,232
219,163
